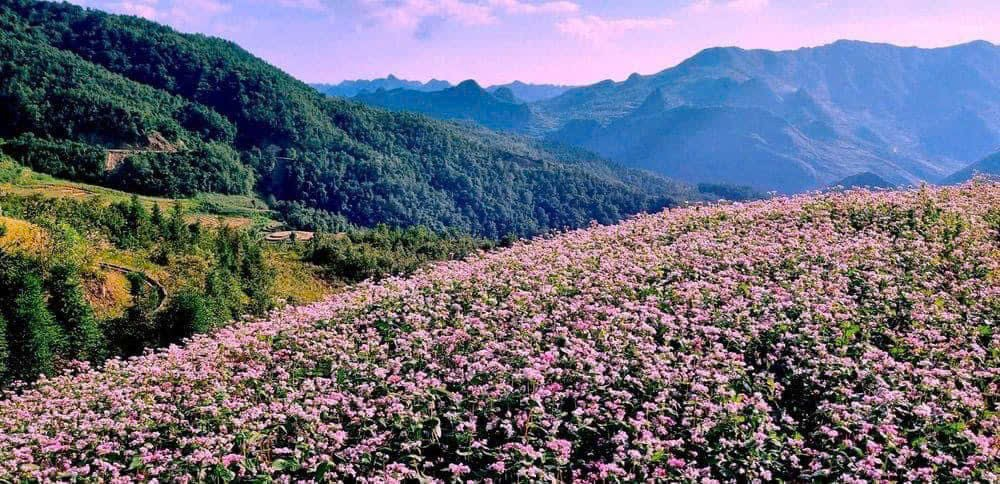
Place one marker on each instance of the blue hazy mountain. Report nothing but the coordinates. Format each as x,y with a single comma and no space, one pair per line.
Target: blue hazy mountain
986,166
774,120
523,92
353,88
466,101
863,180
793,120
531,92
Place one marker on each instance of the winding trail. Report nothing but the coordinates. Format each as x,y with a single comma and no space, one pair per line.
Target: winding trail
156,285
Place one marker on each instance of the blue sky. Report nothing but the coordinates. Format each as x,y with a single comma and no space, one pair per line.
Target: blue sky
560,41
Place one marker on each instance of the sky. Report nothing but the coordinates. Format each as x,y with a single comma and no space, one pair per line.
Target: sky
547,41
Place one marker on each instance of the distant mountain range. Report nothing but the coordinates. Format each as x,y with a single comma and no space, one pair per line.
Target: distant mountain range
523,92
863,180
466,101
531,92
788,120
986,166
353,88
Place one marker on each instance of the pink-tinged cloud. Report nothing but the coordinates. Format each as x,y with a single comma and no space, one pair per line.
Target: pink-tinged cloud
741,6
521,7
408,14
140,8
314,5
191,12
593,28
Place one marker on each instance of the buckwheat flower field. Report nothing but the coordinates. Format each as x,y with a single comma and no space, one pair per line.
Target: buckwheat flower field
846,336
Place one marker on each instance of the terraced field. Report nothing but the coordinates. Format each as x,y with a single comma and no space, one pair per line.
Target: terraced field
211,210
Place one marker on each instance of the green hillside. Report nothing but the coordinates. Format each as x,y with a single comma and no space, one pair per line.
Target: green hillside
225,112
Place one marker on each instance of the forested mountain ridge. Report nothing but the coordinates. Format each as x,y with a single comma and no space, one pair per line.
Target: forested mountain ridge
307,151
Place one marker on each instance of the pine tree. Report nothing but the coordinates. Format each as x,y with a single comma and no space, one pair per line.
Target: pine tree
185,315
175,229
138,221
257,278
156,218
34,336
135,330
74,315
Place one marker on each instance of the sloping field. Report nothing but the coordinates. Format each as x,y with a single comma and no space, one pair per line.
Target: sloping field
211,210
847,337
22,236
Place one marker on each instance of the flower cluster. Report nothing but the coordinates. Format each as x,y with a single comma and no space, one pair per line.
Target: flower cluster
847,336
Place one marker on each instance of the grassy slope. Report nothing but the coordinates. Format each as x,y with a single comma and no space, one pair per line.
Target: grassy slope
297,282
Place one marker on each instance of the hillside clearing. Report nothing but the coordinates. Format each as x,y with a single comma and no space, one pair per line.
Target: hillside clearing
210,210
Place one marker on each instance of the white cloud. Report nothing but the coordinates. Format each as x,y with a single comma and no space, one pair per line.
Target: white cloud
409,14
179,13
140,8
314,5
192,12
522,7
421,15
600,30
740,6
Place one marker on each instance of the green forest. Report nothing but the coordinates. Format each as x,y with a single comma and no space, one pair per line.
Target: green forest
76,82
45,319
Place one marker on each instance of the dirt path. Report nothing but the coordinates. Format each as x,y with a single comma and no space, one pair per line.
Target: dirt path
159,288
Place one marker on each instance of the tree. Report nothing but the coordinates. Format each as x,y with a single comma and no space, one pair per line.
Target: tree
34,337
74,315
185,315
257,277
176,231
135,330
156,218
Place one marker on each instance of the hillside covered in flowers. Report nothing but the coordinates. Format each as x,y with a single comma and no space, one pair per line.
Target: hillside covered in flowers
849,336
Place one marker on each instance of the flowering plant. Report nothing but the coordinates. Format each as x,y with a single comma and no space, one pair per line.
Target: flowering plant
848,336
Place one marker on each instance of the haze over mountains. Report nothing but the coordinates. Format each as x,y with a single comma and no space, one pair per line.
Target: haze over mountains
467,101
786,120
522,92
989,166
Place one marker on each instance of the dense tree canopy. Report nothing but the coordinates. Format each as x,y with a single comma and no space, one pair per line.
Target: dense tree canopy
85,81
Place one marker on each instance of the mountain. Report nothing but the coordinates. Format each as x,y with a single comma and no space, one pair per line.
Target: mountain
987,166
353,88
522,91
125,102
814,115
531,92
739,145
863,180
823,113
466,101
